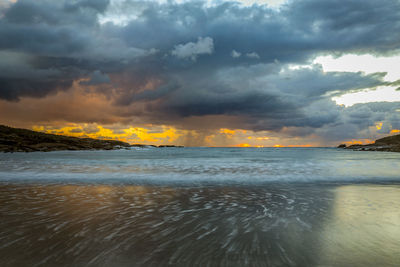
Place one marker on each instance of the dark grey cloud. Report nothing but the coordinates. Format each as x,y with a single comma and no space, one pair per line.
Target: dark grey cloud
63,38
189,60
11,89
270,96
97,78
359,26
355,122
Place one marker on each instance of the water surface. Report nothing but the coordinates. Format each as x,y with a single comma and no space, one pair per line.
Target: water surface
203,166
200,207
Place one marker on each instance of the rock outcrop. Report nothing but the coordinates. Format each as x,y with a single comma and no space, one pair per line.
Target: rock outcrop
23,140
390,143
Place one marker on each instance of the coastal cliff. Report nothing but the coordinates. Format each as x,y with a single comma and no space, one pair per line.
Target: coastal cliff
23,140
389,143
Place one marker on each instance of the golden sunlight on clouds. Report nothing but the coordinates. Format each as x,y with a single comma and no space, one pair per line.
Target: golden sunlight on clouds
163,135
244,145
168,134
359,142
228,132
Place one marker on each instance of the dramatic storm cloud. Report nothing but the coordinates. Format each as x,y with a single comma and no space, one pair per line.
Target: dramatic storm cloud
197,65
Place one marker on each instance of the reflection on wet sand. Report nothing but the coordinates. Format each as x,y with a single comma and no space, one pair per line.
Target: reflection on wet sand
364,227
270,225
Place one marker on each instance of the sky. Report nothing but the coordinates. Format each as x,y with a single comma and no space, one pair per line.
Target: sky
203,73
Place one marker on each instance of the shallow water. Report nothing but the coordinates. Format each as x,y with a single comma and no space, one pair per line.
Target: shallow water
199,166
276,225
337,210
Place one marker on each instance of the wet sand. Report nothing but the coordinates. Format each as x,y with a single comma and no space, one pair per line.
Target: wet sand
264,225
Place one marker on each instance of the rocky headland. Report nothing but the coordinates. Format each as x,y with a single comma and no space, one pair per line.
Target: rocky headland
23,140
390,143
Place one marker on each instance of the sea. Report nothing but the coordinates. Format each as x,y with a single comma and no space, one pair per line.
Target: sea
200,207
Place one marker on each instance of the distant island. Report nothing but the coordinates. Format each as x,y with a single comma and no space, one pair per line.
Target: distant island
23,140
389,143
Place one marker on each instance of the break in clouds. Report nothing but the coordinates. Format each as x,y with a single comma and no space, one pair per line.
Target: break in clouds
170,62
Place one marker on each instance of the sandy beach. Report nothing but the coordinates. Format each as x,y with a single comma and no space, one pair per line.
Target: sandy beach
128,225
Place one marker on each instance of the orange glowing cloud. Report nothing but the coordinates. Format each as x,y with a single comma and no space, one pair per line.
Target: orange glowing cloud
164,135
378,125
243,145
228,132
359,142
